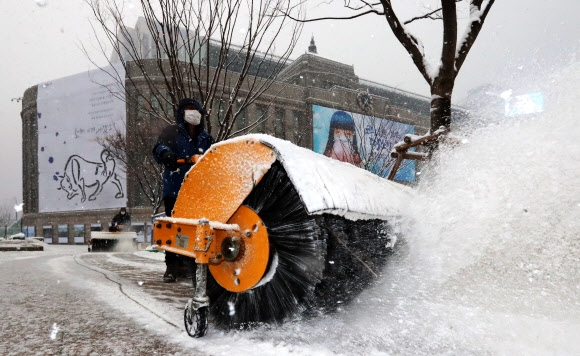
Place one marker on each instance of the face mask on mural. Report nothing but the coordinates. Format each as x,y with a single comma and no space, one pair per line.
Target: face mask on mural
192,117
342,146
342,137
343,149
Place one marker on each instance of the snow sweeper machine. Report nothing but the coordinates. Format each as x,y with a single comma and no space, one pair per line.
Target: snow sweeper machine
281,229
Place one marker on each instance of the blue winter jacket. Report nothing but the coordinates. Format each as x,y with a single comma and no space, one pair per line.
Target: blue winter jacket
176,139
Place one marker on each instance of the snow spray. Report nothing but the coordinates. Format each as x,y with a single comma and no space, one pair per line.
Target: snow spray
491,255
493,240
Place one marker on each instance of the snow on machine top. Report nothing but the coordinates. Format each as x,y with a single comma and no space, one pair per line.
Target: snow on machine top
328,186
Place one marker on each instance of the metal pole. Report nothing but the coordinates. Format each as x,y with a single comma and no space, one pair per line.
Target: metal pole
200,283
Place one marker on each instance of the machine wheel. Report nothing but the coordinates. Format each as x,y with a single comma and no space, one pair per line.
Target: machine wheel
195,320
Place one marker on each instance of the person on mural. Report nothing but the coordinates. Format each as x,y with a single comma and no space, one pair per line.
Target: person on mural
186,138
342,143
121,221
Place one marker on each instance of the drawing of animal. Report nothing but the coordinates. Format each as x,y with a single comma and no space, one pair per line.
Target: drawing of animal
83,177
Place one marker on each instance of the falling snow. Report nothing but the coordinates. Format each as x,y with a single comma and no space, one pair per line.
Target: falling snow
487,264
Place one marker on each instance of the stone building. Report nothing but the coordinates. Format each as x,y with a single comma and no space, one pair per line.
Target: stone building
285,110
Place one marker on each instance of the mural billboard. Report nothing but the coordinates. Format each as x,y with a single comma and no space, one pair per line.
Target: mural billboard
362,140
75,173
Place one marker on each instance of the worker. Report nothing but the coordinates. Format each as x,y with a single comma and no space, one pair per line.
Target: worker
186,138
121,221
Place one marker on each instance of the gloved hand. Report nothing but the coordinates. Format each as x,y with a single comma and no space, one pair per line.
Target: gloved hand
169,159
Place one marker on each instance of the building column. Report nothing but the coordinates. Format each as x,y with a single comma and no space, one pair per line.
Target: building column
71,234
54,233
87,233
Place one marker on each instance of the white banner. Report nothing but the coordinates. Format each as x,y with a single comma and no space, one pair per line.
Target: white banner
75,172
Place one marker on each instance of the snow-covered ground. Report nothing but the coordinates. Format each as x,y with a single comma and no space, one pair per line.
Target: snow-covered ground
490,265
51,304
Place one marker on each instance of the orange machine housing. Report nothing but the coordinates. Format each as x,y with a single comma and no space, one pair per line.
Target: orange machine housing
210,224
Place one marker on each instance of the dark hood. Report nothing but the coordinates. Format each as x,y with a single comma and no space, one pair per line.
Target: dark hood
181,111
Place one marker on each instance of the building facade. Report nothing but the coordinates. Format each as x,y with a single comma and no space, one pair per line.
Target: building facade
305,93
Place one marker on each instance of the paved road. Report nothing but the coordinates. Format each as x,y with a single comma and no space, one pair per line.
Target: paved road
60,302
64,301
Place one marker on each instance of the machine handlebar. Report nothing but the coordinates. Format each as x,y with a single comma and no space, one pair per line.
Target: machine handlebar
191,160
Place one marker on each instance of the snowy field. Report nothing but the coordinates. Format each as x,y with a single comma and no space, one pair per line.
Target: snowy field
490,265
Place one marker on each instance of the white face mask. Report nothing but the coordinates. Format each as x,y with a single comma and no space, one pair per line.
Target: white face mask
192,117
342,138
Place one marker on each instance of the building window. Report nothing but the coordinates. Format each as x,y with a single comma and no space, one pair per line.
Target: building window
279,124
47,233
139,229
29,231
63,234
149,232
79,231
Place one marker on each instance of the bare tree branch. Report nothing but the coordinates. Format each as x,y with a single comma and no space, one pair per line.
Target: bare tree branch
185,48
378,135
477,17
449,13
133,155
412,44
376,12
7,213
431,15
442,80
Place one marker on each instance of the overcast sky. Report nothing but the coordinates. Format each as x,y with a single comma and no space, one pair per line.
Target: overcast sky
520,43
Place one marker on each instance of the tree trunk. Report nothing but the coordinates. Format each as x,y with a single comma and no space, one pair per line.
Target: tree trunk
441,92
440,112
442,86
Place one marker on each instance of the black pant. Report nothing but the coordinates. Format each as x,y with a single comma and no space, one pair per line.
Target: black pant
169,203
